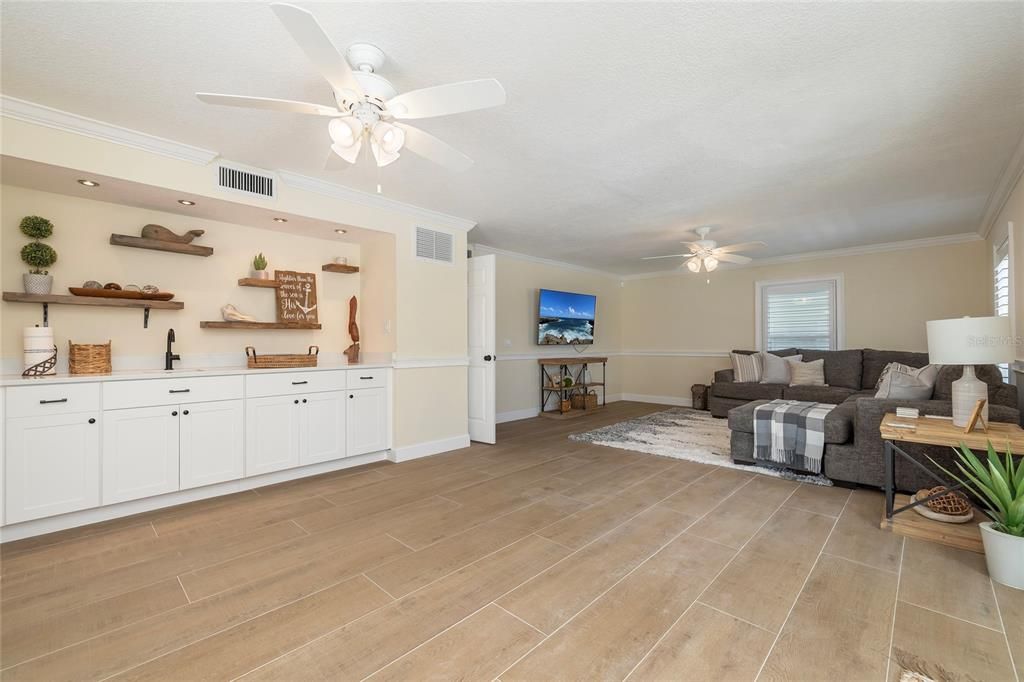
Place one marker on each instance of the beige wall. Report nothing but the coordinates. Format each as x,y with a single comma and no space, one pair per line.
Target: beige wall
82,229
516,283
1012,216
377,315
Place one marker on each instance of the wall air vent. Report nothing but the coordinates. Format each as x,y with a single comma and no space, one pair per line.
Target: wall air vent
435,246
258,183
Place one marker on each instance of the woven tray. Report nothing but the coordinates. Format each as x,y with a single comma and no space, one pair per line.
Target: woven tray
281,361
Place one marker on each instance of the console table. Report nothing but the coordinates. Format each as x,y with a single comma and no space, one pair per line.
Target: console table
577,370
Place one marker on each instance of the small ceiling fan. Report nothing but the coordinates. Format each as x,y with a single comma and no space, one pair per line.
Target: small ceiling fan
367,105
708,254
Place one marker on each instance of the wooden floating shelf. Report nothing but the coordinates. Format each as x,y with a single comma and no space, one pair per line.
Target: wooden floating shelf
256,282
67,299
223,324
341,269
158,245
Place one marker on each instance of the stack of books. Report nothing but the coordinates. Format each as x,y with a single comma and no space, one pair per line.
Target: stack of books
908,412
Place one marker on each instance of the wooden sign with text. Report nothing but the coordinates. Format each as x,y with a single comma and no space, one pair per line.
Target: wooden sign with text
296,296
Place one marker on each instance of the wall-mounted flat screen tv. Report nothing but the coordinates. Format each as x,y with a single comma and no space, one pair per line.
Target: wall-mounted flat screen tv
564,318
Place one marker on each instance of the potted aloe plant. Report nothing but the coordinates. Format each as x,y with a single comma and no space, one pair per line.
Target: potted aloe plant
259,267
37,255
999,483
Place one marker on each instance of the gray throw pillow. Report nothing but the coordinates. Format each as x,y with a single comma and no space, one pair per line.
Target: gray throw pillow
902,382
774,369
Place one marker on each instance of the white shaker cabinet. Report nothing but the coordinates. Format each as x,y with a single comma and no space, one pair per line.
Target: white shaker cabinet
140,452
211,443
271,434
52,465
367,421
322,427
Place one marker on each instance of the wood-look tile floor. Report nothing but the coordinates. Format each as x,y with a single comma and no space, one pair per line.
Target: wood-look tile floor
537,558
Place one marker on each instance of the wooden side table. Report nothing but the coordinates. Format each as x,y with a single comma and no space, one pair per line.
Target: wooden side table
927,431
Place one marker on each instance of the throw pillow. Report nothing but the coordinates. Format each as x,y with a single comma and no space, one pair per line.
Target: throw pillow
903,382
807,373
746,368
774,369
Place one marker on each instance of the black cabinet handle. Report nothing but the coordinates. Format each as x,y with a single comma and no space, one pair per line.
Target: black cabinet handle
365,378
92,420
185,413
174,414
303,400
50,402
351,396
179,390
296,401
299,383
487,358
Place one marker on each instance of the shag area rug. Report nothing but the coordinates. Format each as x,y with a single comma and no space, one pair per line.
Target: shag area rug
682,433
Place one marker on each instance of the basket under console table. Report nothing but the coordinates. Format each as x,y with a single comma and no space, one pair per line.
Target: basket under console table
564,379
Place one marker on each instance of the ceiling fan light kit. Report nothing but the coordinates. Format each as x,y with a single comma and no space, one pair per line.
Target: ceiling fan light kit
367,105
706,254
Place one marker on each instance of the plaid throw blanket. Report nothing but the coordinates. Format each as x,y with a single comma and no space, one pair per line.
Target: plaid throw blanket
790,434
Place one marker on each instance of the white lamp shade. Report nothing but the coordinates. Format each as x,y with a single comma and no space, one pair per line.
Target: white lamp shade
970,341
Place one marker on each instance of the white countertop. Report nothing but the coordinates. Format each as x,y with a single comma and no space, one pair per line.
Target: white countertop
183,372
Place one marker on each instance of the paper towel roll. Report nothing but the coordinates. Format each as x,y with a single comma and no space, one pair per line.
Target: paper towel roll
39,346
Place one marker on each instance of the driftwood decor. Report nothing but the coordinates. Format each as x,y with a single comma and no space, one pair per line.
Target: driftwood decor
296,296
352,352
159,238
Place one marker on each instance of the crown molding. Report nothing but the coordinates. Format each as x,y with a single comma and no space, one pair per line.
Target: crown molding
30,112
1008,180
484,250
317,186
906,245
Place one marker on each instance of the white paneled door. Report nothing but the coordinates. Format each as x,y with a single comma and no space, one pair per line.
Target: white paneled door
481,348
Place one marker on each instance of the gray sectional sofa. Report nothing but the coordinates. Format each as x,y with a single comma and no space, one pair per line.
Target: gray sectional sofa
853,447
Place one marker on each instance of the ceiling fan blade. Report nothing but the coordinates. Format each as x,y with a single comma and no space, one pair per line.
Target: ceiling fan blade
307,32
730,248
268,103
674,255
692,246
732,258
453,98
433,149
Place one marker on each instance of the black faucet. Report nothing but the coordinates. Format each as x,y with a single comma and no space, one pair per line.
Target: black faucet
170,357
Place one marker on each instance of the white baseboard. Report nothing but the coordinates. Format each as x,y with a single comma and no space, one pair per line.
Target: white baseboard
516,415
51,524
659,399
434,447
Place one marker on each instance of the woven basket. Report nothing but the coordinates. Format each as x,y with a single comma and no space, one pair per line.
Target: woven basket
584,401
89,358
953,503
564,406
282,361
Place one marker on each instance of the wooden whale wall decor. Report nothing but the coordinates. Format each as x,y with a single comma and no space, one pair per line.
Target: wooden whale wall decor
161,233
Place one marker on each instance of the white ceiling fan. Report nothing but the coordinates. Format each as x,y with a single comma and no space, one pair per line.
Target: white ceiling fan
708,254
367,105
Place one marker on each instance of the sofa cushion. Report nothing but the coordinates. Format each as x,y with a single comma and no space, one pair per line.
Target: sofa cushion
738,391
876,360
817,394
842,367
990,374
838,422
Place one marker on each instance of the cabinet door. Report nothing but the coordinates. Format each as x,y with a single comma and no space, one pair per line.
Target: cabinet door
211,442
271,434
52,465
367,421
140,453
323,427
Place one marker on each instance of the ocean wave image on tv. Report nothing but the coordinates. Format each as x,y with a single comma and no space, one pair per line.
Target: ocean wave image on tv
565,318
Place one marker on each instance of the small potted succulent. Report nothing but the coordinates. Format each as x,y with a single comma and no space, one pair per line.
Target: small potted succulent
999,482
259,267
37,255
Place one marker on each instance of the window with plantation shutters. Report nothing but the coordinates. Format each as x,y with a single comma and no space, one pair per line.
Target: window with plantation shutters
1001,288
802,314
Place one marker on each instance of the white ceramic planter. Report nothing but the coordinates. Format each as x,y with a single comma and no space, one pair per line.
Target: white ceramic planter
37,284
1004,555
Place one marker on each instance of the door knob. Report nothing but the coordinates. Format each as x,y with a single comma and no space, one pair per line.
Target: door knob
487,358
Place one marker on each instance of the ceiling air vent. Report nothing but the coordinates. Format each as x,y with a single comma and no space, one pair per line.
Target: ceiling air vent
434,245
249,182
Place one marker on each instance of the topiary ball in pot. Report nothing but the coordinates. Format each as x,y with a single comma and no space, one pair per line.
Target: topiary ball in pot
36,227
37,255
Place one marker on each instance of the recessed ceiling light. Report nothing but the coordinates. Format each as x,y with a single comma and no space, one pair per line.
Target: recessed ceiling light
280,220
89,183
340,231
186,202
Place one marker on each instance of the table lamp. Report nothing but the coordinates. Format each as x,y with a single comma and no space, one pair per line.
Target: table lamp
969,341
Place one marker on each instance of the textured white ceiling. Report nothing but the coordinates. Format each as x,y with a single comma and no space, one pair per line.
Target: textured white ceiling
808,126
